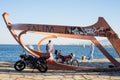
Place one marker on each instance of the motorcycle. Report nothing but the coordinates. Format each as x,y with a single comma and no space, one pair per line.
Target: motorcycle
67,59
32,62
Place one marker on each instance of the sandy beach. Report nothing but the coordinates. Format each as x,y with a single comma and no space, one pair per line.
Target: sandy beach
7,72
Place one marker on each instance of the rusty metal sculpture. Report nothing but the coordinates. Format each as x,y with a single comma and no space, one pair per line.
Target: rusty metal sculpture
101,28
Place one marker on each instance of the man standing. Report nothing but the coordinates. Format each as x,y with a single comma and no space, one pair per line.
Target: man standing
91,51
50,49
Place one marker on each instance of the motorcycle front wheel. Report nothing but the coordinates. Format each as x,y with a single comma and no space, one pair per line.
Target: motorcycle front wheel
75,63
19,65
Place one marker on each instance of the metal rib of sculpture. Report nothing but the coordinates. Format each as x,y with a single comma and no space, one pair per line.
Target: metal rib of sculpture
101,28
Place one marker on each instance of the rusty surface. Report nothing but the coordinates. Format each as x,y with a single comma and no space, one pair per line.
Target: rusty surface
100,28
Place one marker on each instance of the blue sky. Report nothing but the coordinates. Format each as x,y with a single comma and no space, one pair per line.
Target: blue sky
58,12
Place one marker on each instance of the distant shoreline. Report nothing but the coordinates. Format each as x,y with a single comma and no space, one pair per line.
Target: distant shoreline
60,44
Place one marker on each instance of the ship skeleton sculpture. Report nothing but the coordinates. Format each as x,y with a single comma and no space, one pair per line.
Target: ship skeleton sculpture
101,29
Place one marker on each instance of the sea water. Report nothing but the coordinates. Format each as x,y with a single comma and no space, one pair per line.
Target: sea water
11,53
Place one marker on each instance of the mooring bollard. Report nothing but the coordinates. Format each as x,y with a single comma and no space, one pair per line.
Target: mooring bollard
83,57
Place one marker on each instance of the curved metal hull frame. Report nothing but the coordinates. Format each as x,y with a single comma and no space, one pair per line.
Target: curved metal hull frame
101,28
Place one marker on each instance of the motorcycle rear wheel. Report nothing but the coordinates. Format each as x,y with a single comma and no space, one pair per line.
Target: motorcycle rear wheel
42,67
